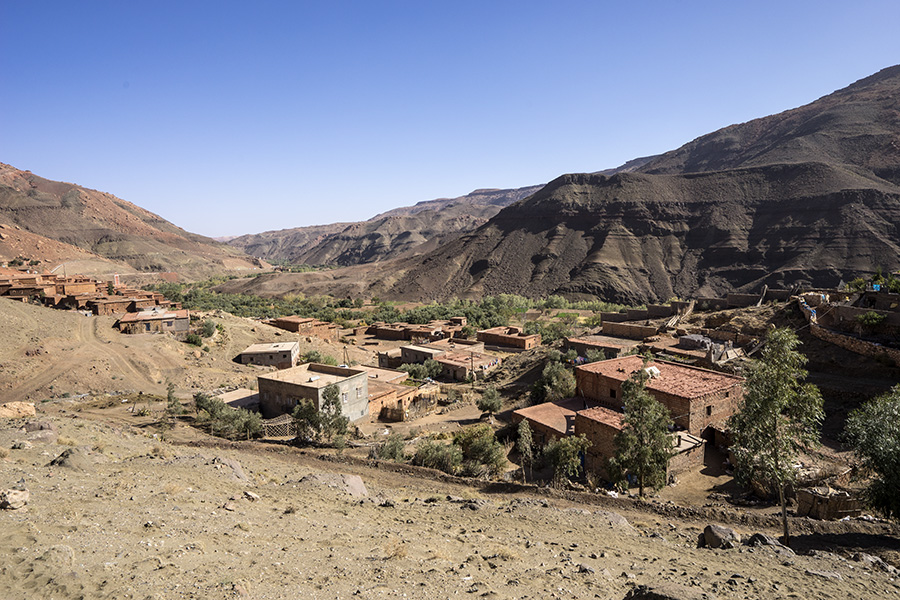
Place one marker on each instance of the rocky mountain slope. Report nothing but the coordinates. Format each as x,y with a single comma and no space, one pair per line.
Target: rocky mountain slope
808,195
396,233
107,228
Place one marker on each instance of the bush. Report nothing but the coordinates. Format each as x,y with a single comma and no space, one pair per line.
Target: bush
223,421
565,455
871,319
315,356
435,455
194,340
208,329
390,449
490,401
482,453
555,383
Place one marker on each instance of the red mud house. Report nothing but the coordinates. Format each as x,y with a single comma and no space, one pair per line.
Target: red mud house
283,355
698,399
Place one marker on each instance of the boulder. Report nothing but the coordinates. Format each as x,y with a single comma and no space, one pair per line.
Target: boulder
13,499
351,484
73,458
667,591
236,470
40,426
17,410
716,536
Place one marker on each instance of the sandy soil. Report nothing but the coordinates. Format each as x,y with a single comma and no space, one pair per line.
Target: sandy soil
132,516
47,353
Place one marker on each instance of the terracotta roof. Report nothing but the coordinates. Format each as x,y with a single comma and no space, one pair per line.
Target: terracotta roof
549,415
678,380
603,415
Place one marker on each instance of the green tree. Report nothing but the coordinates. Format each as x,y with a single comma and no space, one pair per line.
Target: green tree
873,430
565,455
390,449
326,422
482,454
594,355
556,382
525,446
173,406
643,446
208,329
490,401
780,417
110,289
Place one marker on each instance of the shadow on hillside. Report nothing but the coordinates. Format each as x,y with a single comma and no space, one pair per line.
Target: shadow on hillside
830,542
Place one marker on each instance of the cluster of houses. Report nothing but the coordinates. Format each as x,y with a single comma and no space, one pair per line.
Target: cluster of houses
364,390
142,311
699,401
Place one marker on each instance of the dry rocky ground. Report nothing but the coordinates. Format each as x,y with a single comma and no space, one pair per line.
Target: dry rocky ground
125,514
119,507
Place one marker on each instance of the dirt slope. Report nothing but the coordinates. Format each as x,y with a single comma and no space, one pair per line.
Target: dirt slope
127,515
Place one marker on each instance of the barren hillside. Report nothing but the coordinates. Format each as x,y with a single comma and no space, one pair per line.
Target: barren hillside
100,224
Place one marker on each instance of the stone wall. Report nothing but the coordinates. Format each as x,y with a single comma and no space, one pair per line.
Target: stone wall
855,345
633,332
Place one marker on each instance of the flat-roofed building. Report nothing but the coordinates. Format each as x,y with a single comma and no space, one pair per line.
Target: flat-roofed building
459,366
509,337
282,355
281,391
155,321
308,326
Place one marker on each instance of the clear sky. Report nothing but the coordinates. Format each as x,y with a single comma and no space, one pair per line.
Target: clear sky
238,117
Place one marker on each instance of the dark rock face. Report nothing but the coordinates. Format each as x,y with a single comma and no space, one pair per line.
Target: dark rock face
807,196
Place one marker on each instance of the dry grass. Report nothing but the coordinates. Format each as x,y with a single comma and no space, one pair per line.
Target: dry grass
172,489
3,453
66,441
394,548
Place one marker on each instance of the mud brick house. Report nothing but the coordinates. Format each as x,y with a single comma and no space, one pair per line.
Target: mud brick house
459,366
282,355
155,321
610,347
418,333
281,391
600,425
415,354
390,401
509,337
308,326
698,399
551,420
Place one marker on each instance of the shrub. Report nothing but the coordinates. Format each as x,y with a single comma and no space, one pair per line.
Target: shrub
223,421
490,401
390,449
483,454
208,329
194,340
555,383
317,357
435,455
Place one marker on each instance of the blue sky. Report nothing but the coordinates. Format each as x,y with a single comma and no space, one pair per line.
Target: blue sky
228,118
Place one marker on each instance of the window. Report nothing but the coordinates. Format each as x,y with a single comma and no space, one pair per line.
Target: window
344,398
709,411
728,394
359,392
612,393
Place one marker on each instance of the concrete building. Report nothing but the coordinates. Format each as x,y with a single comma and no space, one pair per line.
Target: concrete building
508,337
282,355
281,391
697,398
155,321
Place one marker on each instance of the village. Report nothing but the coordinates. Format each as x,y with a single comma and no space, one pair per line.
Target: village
694,372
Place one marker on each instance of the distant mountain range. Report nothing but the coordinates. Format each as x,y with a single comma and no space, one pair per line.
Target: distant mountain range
401,232
809,196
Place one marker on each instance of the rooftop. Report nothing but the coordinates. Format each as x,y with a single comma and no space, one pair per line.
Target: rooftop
312,375
387,375
276,347
154,315
555,415
678,380
603,415
467,359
